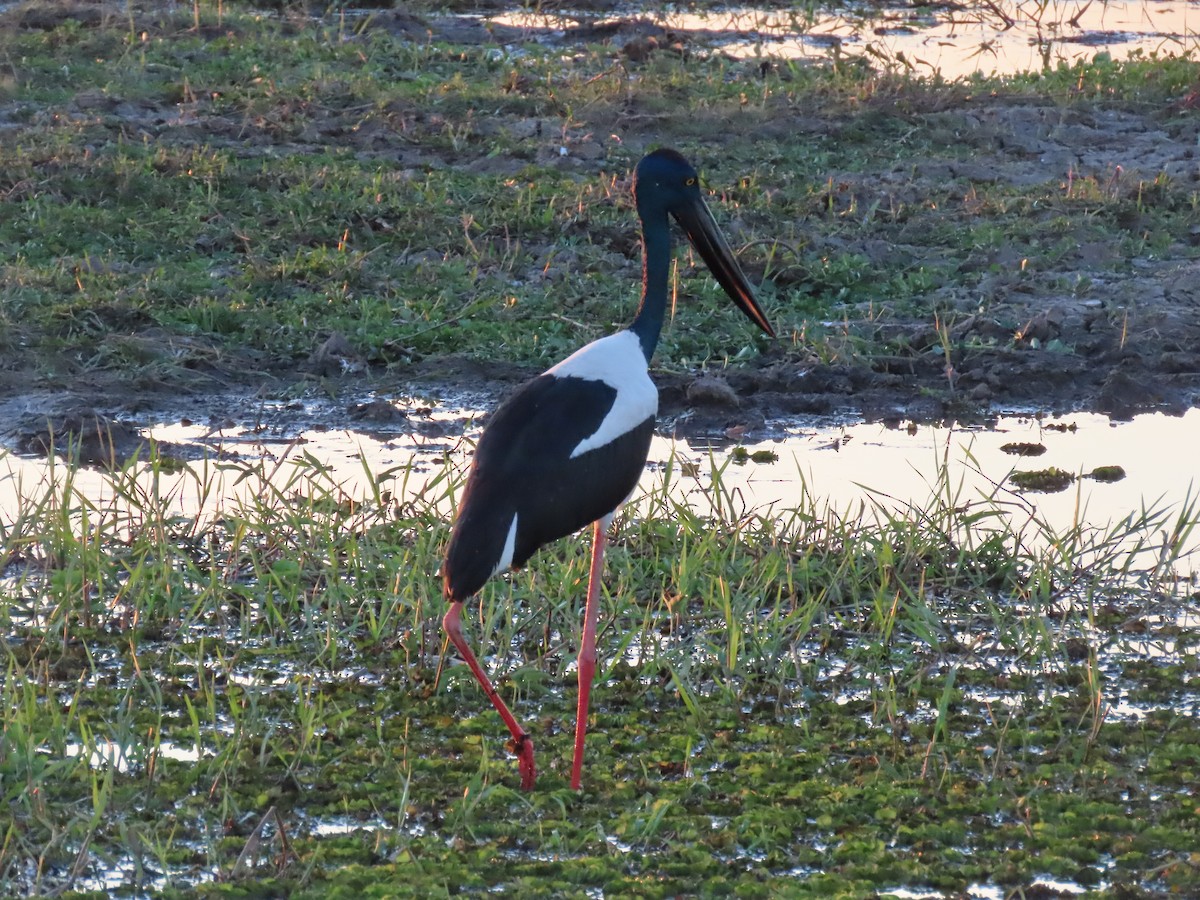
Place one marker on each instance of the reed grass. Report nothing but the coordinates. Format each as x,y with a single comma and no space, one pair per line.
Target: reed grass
191,690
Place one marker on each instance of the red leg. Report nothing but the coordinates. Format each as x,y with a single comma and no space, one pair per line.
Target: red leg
587,649
521,743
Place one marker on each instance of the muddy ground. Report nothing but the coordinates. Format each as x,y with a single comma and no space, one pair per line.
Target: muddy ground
1080,334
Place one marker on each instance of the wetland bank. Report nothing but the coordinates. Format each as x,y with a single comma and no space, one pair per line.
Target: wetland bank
205,203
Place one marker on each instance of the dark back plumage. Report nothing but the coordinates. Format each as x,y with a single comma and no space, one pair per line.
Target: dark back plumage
523,468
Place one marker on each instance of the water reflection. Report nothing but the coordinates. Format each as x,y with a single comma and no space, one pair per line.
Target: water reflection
868,464
950,40
847,469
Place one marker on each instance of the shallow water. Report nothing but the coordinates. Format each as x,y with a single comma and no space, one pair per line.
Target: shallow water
848,469
1002,38
867,464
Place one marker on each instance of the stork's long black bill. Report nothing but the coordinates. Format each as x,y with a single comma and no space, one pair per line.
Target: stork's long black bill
701,228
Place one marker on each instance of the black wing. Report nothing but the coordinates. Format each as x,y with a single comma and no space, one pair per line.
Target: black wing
523,467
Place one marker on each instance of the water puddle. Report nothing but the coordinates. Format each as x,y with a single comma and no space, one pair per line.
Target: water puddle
949,40
126,759
1108,470
1103,472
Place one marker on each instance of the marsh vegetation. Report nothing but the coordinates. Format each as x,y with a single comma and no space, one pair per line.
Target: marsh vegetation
949,698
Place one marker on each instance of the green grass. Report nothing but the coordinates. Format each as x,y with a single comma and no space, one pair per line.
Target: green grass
263,183
805,701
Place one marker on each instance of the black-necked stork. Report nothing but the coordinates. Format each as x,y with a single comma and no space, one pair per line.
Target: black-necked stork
568,447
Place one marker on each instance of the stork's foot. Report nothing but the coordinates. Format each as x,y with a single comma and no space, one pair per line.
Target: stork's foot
522,747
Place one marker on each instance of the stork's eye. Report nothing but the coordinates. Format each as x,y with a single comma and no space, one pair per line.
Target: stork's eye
690,182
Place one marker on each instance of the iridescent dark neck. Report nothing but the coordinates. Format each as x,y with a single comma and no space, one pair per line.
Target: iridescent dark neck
656,263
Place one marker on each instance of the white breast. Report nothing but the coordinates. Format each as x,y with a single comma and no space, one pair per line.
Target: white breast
618,361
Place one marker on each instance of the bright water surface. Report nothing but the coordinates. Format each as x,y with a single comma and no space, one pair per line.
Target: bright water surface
990,38
843,468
